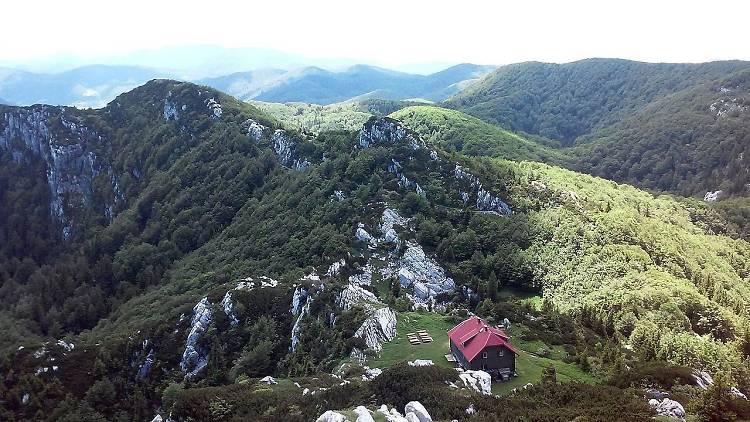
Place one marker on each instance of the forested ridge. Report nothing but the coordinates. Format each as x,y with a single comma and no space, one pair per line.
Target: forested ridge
677,128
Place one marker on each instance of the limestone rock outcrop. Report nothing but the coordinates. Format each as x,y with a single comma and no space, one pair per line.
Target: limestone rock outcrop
385,130
479,381
668,407
423,274
363,415
195,356
331,416
416,408
484,200
285,150
354,295
44,132
378,328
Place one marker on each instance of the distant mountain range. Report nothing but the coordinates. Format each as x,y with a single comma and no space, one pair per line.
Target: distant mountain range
90,86
186,61
320,86
94,86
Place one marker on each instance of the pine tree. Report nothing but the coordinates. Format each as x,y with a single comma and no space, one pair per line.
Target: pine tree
492,286
549,376
716,403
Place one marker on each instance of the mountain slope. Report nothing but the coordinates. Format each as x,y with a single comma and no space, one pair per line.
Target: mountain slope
188,245
349,115
691,142
665,127
565,101
468,135
96,164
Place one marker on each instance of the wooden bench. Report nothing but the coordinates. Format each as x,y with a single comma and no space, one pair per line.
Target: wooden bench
414,339
424,336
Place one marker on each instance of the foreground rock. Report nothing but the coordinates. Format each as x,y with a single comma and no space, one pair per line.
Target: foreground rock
378,328
478,381
668,407
415,408
392,415
363,415
331,416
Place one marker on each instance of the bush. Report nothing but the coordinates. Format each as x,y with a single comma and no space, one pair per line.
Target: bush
402,383
653,374
565,402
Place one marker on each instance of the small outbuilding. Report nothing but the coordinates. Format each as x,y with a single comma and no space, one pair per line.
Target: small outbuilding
476,345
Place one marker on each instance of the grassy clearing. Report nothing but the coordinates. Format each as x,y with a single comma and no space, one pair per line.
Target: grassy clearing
399,349
529,368
528,365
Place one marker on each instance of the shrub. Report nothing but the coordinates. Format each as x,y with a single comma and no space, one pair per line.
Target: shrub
402,383
653,374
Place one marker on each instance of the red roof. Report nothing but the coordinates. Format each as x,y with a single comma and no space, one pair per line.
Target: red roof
475,334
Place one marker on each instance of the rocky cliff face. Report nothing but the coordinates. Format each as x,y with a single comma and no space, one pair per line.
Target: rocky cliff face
423,274
286,151
386,131
195,356
414,269
70,151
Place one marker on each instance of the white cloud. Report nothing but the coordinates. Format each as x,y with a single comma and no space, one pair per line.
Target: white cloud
389,32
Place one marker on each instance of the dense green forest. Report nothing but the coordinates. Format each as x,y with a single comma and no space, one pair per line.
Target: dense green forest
205,198
565,101
459,132
677,128
689,142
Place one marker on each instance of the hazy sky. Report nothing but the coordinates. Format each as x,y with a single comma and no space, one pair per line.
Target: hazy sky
387,32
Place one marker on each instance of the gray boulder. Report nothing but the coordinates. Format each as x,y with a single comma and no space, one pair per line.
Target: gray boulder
363,415
371,373
416,408
378,328
331,416
479,381
268,380
668,408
